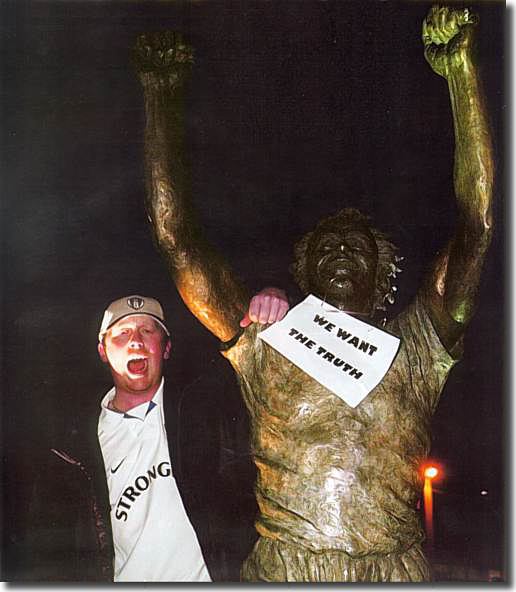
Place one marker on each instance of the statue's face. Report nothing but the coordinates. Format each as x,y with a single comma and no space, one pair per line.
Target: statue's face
341,265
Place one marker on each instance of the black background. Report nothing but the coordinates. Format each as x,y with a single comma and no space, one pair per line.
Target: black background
294,110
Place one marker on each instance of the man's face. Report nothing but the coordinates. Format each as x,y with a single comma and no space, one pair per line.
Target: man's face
341,266
135,348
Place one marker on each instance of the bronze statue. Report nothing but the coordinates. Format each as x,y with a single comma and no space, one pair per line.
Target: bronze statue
337,486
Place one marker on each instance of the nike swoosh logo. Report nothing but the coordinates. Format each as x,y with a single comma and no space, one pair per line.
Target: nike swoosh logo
113,471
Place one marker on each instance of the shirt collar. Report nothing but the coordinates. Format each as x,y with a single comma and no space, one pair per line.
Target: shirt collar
138,412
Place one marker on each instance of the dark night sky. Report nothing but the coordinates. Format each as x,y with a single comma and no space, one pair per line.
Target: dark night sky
295,109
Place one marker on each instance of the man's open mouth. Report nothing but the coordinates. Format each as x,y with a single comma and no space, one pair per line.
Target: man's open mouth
137,365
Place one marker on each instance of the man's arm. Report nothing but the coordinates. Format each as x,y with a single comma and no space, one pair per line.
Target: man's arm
448,37
204,281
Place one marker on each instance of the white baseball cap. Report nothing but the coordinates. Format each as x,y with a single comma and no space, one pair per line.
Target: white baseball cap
130,306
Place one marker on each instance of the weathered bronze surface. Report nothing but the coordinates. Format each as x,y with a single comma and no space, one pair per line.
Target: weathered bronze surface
203,279
336,486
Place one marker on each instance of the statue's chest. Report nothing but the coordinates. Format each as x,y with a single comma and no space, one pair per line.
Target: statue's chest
284,391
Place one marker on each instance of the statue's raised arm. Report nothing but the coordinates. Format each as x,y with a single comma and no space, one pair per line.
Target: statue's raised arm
449,39
203,279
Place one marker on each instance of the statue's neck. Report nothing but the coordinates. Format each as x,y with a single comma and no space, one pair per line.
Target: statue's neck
356,314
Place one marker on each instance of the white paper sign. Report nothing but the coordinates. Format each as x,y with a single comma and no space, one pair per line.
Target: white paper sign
347,356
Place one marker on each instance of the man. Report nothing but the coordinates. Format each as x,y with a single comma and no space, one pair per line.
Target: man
114,502
151,530
337,486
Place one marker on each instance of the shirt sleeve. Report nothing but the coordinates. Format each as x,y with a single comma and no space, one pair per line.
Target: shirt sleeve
245,349
428,361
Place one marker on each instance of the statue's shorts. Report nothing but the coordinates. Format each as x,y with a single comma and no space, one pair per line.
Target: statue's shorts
276,561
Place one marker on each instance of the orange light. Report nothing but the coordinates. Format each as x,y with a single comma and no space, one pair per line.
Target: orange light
431,472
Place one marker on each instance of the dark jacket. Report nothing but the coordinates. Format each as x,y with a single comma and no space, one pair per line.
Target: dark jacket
70,537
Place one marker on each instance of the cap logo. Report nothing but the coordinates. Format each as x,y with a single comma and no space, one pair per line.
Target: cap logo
135,302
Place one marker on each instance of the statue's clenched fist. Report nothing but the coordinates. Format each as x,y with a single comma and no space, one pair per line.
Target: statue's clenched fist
164,54
448,38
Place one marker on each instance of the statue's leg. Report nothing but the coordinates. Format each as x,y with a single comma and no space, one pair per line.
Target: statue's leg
276,561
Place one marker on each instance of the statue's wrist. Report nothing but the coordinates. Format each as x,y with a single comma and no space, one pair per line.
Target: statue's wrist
169,81
460,68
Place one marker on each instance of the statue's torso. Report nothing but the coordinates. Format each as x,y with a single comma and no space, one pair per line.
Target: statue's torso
334,477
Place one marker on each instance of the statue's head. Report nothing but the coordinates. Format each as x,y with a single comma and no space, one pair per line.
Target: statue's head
346,262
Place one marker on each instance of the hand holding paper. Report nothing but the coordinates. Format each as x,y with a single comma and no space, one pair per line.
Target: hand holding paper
268,306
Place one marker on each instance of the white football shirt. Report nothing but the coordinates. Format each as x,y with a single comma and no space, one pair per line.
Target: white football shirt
153,538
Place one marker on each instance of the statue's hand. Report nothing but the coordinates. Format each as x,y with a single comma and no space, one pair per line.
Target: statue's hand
268,306
448,38
162,55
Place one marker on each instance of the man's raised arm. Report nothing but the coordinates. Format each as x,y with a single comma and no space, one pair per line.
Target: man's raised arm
203,279
448,37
